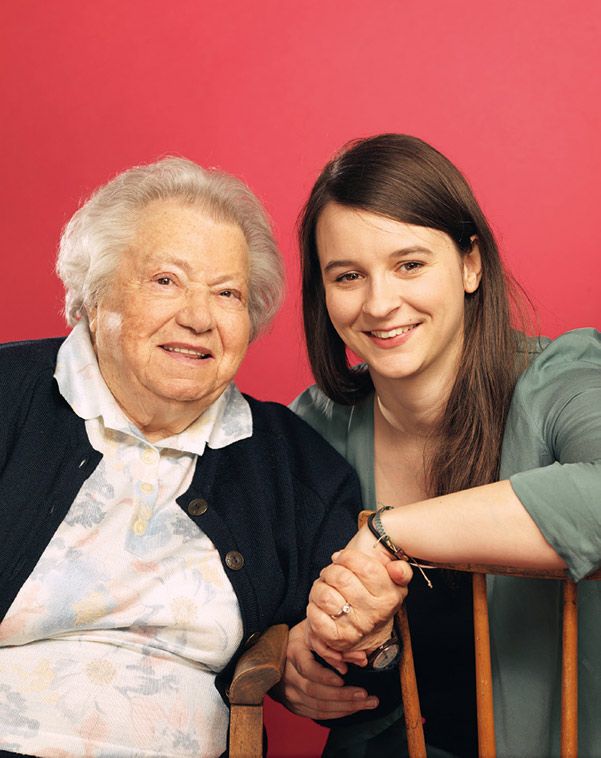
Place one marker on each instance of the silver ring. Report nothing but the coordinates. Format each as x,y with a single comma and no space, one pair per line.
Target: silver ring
344,610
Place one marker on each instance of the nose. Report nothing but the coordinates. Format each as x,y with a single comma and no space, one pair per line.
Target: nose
196,310
382,298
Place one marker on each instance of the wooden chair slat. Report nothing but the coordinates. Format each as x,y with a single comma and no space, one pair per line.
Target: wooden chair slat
412,711
257,671
569,672
484,697
246,731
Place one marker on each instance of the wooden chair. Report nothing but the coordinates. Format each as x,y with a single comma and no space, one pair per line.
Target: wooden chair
257,671
261,667
484,695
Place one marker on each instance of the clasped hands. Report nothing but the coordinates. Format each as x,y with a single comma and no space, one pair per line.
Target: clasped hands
350,612
352,604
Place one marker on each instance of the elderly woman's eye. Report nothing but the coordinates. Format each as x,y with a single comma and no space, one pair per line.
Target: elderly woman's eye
164,280
230,293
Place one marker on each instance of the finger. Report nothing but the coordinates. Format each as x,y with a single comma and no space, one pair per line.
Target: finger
327,597
356,657
367,609
317,642
336,634
333,657
351,586
400,572
372,574
315,691
306,698
329,709
301,658
325,714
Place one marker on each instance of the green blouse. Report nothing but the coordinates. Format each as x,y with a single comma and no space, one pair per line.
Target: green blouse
552,456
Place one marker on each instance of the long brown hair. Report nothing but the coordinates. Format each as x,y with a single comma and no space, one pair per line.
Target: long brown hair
405,179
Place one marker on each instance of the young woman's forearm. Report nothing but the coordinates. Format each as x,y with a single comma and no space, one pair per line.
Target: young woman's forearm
485,524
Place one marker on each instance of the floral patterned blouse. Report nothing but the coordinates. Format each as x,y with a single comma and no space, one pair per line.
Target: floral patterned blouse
112,645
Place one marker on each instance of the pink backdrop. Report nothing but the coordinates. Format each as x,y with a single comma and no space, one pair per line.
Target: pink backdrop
268,90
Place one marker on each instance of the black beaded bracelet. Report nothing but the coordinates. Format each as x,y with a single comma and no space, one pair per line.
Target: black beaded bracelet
374,523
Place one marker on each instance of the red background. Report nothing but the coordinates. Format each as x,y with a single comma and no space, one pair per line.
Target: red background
268,90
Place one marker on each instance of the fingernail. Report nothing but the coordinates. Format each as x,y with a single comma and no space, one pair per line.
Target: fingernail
359,695
371,702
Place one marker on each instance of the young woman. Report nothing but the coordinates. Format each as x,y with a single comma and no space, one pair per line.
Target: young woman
487,444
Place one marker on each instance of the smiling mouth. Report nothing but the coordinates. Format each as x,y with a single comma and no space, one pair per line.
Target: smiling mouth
190,352
390,333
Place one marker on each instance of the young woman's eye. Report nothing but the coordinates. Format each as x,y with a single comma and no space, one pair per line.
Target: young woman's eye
411,266
350,276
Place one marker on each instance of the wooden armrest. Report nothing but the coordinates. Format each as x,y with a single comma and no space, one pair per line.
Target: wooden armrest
259,667
528,573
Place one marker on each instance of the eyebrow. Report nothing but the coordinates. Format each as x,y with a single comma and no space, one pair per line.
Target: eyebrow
401,253
228,276
163,261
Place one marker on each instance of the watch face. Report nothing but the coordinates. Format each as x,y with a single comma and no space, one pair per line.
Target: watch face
386,656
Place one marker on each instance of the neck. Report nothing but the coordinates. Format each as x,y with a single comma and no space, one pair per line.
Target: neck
412,407
159,424
159,419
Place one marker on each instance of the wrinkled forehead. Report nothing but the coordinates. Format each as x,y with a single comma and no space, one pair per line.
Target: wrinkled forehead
176,209
185,236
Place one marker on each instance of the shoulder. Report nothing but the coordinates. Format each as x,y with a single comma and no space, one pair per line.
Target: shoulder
273,415
28,393
23,362
295,468
298,439
571,360
565,370
30,354
580,345
328,418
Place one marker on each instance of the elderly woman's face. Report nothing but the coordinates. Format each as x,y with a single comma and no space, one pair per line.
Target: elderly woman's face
173,327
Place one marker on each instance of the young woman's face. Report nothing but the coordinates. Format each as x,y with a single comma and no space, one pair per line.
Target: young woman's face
395,292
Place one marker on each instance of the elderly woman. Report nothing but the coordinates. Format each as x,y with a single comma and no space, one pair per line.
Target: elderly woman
153,519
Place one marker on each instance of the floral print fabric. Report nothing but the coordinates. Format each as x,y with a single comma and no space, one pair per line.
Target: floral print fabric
111,647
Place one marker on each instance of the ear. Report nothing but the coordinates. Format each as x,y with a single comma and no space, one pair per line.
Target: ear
91,314
472,267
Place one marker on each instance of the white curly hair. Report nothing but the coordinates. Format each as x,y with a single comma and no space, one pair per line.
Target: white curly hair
103,227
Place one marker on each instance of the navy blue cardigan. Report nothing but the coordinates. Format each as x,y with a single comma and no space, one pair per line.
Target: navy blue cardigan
275,505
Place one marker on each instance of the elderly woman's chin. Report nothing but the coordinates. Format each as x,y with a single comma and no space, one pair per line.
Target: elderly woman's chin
161,387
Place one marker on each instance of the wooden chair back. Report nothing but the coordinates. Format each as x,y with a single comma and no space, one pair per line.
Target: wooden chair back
484,691
261,667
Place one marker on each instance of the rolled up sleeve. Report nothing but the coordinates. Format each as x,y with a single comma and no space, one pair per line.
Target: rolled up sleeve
560,396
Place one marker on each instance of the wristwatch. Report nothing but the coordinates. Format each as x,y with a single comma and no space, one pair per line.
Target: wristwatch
386,655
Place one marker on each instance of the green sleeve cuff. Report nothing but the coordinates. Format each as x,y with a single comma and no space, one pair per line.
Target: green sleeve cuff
573,526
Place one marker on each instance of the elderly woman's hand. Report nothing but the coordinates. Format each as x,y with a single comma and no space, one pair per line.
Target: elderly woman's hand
309,689
352,603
